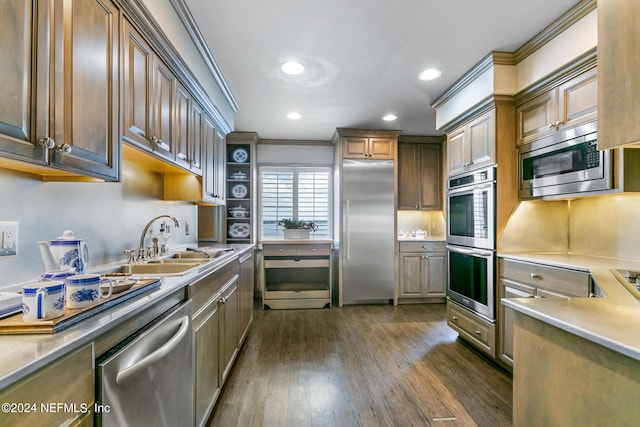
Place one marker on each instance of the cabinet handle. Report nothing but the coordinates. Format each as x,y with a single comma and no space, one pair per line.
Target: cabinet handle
280,250
550,125
478,332
222,300
63,148
557,124
153,140
47,142
455,318
534,275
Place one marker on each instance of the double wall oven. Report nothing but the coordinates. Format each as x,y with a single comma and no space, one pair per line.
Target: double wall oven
471,202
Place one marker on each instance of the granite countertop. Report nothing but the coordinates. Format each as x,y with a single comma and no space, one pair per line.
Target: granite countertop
20,355
611,321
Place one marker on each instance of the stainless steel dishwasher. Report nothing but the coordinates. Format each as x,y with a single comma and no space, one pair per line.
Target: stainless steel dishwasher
147,380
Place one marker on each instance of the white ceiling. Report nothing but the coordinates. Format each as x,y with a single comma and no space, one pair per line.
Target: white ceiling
362,57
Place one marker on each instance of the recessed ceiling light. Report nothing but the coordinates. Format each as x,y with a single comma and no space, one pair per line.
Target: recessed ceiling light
292,68
389,117
430,74
294,116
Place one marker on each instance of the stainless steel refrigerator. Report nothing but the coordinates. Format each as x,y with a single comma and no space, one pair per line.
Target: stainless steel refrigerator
368,231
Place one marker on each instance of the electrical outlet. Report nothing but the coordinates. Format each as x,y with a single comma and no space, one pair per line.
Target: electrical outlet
8,238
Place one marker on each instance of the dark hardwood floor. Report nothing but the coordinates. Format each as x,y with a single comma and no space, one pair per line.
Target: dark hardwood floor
375,365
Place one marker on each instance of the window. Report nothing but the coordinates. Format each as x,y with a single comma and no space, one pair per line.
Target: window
295,192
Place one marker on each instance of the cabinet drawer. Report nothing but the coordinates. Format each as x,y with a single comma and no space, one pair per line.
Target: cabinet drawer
313,250
428,246
475,330
293,263
565,281
280,250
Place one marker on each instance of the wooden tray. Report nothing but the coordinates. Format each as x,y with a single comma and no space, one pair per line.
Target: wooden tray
14,325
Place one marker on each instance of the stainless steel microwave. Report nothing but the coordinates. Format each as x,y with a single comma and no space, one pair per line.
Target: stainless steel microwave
565,163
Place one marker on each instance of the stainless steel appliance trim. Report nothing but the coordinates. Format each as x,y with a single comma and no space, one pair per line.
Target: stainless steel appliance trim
485,311
593,179
488,185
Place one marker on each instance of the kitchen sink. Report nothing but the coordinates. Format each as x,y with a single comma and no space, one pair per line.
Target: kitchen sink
188,255
178,261
159,268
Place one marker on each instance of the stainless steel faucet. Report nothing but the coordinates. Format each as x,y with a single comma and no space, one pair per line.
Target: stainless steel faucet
141,252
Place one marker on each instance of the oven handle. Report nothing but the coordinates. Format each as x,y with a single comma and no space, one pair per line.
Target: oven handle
477,252
470,188
132,371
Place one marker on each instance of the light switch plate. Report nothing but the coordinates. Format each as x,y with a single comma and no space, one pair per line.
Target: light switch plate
8,238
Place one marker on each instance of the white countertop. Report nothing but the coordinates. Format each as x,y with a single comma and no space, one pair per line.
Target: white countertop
21,355
612,321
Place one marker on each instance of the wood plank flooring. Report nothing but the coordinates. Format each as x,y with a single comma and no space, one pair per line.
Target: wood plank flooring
375,365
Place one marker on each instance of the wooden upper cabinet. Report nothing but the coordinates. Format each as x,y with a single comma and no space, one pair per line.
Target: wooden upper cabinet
162,110
618,86
74,127
419,176
568,105
137,88
375,148
83,107
472,146
17,98
195,137
181,126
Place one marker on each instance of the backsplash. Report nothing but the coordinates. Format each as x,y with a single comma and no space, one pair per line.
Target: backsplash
109,216
606,226
430,221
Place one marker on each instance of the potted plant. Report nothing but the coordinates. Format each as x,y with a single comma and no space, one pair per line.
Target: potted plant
297,228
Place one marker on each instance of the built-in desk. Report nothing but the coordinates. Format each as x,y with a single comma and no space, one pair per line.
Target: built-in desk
296,274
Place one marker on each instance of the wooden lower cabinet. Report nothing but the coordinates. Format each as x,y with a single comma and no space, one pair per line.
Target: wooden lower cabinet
246,289
207,370
479,332
70,380
422,272
215,328
520,279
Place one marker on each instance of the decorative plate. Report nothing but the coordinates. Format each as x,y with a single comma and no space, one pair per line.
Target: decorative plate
238,175
240,155
239,230
239,191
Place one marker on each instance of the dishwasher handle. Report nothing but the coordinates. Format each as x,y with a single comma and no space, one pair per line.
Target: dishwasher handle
132,371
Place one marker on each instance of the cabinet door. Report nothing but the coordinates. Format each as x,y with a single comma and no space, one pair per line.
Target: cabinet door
230,301
482,141
578,100
16,68
207,366
162,109
246,294
355,147
430,177
195,138
618,84
456,150
506,342
84,103
209,173
381,148
136,94
436,276
537,117
411,276
220,155
181,126
408,177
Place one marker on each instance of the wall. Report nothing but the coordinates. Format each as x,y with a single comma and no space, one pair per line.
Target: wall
430,221
108,216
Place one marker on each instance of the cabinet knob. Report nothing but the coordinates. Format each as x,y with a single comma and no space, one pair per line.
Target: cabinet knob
478,332
280,250
64,148
222,300
154,139
47,142
455,318
535,276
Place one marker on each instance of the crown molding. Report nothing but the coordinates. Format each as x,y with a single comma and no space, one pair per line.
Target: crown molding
560,25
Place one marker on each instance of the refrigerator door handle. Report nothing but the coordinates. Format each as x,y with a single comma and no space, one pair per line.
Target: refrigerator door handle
346,228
